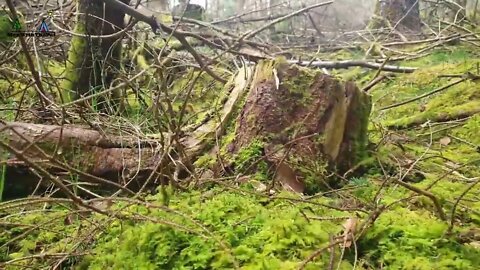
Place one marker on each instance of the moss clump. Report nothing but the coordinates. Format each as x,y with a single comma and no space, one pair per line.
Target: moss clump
470,130
300,83
257,237
205,161
405,239
257,234
251,159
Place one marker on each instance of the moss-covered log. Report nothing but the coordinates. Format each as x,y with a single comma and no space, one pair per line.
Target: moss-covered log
94,61
78,151
304,123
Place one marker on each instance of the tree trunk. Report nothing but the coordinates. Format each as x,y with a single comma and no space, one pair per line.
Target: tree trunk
398,15
93,62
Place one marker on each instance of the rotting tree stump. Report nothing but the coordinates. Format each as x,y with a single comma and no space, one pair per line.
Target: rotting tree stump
309,125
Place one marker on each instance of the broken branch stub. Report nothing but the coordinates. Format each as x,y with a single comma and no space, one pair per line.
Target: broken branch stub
308,123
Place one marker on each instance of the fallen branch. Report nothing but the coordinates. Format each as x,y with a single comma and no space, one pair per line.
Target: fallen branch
91,154
431,196
376,81
438,117
354,63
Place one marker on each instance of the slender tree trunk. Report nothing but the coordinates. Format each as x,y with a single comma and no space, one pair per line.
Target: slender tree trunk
94,62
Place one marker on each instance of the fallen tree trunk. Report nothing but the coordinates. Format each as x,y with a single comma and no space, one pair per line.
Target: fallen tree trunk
94,155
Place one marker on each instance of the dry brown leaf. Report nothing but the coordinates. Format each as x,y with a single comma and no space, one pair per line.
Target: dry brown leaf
445,141
350,227
287,177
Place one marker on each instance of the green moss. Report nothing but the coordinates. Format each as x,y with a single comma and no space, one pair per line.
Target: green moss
470,130
206,161
450,103
250,158
250,232
5,27
205,100
258,234
76,54
264,71
415,241
299,84
443,57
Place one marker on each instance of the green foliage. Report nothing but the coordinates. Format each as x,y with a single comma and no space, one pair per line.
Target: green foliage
451,102
470,130
32,237
5,26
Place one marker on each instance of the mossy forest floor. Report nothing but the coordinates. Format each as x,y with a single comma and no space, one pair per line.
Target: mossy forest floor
226,225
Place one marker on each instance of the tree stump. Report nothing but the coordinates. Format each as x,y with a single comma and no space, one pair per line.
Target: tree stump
398,15
304,124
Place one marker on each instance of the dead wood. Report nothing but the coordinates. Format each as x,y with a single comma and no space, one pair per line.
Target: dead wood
354,63
71,149
304,120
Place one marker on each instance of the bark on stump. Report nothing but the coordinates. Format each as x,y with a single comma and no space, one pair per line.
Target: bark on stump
307,124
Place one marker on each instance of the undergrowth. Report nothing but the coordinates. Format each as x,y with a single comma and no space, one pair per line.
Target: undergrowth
223,226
